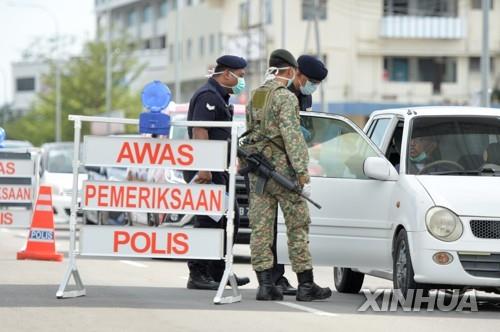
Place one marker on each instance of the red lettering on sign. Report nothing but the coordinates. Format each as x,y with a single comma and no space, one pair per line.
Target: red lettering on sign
176,198
202,201
90,192
7,168
15,194
162,198
102,193
120,237
215,200
188,200
181,243
143,197
116,197
131,197
147,243
155,154
125,153
186,151
5,218
155,250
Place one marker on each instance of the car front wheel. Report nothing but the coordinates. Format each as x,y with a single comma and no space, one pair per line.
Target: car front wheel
347,280
403,274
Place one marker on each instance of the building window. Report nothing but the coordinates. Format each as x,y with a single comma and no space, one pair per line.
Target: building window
189,47
25,84
478,4
146,44
147,14
475,64
211,44
309,10
439,8
436,70
244,18
163,8
268,9
202,46
189,3
162,41
396,69
131,18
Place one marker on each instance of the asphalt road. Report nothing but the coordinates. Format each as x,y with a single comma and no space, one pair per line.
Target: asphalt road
150,295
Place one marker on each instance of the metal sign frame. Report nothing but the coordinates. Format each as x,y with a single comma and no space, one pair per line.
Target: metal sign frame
72,269
22,209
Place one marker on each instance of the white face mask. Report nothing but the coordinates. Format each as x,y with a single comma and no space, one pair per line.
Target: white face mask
271,75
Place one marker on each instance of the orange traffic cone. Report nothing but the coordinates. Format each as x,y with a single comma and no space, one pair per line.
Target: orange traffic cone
41,240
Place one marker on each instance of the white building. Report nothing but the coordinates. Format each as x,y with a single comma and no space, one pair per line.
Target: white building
378,52
27,82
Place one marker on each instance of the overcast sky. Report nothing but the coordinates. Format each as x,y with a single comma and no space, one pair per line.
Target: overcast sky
21,22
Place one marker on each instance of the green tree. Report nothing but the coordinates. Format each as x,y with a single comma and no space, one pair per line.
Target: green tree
82,92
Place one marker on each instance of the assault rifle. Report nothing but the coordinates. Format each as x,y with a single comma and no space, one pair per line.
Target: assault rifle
260,166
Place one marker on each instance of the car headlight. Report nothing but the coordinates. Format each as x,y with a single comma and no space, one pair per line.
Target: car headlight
443,224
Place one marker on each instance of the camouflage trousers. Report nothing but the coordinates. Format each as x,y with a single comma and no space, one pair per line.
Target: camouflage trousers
262,216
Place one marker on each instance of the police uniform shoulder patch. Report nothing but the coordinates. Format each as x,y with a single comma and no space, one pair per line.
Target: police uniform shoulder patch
210,107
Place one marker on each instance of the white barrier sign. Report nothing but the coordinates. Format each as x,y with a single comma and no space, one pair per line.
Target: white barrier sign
10,193
155,153
21,168
15,218
150,197
152,242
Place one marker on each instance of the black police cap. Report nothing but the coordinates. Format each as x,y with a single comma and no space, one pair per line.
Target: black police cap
281,58
232,61
312,67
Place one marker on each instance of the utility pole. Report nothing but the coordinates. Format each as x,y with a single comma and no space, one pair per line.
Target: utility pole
323,105
178,95
108,72
283,23
485,56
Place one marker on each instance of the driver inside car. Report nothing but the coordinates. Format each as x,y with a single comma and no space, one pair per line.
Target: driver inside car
423,151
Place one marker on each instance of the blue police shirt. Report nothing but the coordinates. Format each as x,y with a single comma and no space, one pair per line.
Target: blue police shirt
211,103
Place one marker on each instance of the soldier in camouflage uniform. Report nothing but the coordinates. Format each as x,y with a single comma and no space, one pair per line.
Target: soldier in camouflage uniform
273,123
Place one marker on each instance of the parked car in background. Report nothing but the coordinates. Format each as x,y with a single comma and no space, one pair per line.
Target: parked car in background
56,171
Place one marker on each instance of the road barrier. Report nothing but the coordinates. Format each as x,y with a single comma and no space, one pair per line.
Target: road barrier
19,179
146,242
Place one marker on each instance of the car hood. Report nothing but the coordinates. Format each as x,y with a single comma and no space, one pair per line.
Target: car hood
465,195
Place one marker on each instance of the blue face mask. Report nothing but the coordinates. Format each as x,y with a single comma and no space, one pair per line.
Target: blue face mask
418,159
308,88
240,86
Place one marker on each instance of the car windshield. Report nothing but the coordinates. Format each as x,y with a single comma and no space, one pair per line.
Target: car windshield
453,145
59,159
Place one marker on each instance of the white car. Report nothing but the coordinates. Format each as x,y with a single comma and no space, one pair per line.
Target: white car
57,171
418,203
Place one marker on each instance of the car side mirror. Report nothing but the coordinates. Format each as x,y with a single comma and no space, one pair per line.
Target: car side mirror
379,169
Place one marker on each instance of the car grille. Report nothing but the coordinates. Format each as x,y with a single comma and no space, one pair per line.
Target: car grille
487,266
485,229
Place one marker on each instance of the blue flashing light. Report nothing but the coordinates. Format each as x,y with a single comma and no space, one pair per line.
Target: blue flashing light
2,137
155,97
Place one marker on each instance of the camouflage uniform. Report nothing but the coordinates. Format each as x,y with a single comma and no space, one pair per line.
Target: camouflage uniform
274,112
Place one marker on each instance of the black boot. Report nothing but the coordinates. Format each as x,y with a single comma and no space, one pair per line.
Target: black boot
200,279
267,290
308,290
241,281
285,287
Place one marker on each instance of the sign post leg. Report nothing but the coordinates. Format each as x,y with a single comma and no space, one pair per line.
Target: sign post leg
228,272
72,269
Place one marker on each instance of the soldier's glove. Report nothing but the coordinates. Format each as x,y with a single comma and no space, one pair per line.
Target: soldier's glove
307,190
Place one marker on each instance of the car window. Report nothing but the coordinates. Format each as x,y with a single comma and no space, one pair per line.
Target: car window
336,149
440,145
59,159
376,134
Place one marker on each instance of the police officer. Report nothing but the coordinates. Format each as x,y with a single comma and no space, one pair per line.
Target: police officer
273,125
311,72
211,103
